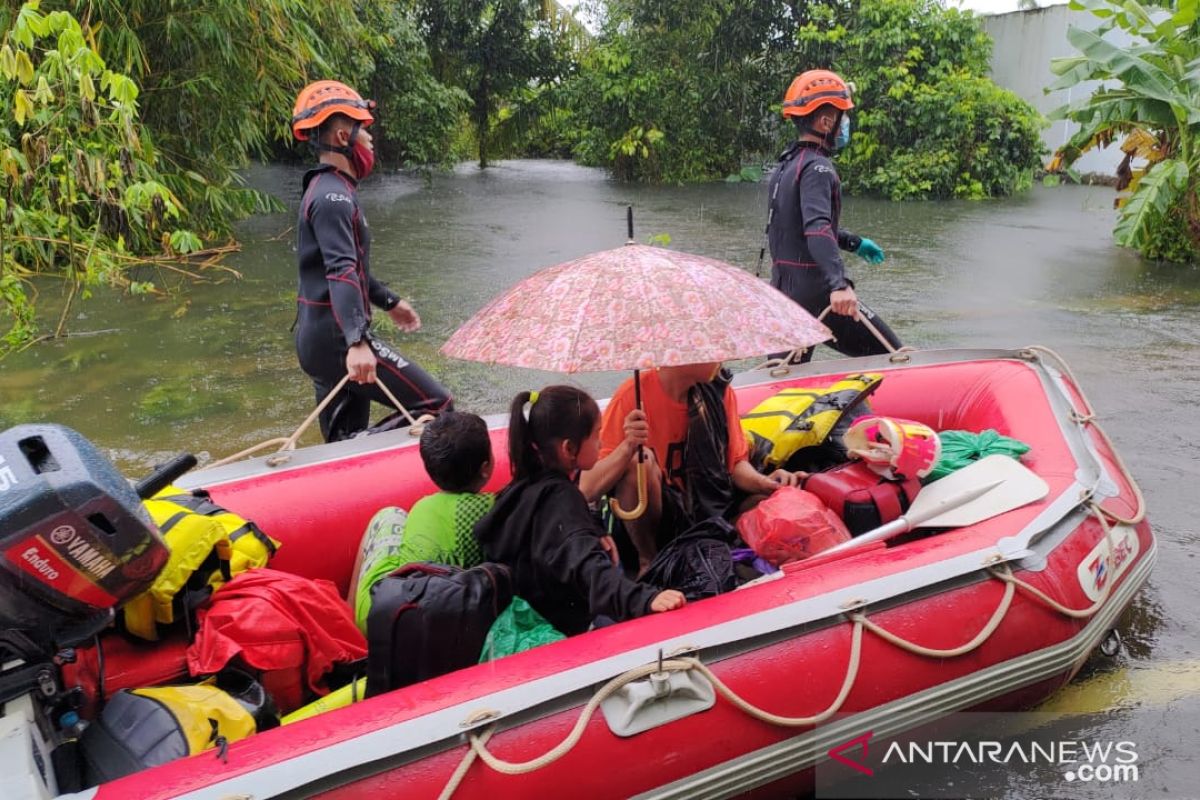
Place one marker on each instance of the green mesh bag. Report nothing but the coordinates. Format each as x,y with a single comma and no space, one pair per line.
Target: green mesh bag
517,628
960,448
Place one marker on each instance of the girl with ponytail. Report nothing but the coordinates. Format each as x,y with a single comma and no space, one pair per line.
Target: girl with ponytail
563,563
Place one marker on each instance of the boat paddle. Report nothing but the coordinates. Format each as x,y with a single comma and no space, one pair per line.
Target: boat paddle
978,491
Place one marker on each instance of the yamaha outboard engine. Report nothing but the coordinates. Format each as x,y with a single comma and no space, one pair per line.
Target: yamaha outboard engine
75,540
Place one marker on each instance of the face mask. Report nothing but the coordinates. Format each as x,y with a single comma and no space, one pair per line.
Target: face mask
843,135
362,158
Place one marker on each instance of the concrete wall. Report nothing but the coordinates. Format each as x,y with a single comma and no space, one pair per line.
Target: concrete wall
1025,41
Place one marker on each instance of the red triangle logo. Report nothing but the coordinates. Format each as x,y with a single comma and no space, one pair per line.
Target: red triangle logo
836,753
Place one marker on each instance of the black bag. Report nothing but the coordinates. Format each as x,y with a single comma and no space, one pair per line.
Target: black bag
698,562
430,619
710,490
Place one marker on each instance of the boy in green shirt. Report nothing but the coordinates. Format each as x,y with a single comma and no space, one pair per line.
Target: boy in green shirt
457,453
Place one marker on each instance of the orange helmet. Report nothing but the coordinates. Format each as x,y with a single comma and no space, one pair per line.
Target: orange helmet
320,100
813,89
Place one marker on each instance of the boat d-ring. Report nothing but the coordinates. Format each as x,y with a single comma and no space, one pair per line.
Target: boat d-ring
1111,644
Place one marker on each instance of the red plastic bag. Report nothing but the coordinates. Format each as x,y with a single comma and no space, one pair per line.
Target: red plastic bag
791,525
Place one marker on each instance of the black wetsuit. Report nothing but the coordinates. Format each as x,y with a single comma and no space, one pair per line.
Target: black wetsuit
804,237
334,309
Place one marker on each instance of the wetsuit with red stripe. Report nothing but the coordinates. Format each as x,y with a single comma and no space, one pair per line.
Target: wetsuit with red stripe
335,296
805,241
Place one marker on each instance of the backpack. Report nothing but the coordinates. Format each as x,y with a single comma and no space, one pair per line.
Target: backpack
698,562
293,633
208,544
861,497
430,619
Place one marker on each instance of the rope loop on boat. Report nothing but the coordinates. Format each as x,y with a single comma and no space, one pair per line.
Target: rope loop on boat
860,621
478,742
1086,416
984,634
288,443
1074,613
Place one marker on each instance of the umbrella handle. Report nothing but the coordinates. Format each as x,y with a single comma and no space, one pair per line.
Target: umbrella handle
640,508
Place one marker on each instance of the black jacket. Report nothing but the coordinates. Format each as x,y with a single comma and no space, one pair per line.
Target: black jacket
804,237
543,531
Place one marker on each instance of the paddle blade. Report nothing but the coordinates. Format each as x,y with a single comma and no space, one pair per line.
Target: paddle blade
990,486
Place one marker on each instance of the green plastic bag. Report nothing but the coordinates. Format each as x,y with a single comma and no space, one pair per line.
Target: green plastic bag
960,448
519,627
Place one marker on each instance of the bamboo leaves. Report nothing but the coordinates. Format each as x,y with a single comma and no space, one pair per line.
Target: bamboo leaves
81,200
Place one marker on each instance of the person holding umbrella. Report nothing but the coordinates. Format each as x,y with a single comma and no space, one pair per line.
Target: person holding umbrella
802,222
337,290
696,456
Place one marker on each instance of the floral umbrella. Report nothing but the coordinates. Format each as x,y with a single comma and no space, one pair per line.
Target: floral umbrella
634,307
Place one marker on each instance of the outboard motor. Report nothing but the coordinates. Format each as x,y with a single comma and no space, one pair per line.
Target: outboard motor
75,540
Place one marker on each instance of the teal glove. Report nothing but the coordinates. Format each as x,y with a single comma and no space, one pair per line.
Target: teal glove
870,252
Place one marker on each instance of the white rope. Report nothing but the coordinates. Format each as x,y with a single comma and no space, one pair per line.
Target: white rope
860,621
1074,613
1088,417
979,638
781,364
478,743
287,442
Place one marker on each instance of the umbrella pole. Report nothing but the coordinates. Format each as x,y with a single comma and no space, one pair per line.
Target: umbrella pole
640,508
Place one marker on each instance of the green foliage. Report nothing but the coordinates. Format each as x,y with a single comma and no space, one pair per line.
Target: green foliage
418,115
218,79
928,123
708,80
493,50
85,195
1150,95
960,136
677,91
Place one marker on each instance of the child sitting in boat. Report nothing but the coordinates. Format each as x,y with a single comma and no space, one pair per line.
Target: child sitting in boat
563,563
457,453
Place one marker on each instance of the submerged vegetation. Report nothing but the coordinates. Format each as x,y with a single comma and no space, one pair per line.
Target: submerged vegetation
86,193
127,121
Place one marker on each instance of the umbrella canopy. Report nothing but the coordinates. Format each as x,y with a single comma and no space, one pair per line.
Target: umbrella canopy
634,307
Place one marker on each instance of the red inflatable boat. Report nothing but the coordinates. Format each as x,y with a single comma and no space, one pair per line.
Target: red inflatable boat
993,616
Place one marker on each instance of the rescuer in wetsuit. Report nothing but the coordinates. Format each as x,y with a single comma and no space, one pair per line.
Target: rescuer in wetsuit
805,204
333,317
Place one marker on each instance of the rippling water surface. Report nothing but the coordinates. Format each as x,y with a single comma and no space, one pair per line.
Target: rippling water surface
214,371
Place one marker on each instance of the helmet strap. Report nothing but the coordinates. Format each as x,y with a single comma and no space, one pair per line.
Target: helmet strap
804,125
347,150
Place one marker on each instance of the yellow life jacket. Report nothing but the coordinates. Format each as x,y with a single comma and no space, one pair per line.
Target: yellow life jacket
803,417
205,714
208,545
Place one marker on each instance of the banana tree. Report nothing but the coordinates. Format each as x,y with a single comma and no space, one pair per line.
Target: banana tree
1149,99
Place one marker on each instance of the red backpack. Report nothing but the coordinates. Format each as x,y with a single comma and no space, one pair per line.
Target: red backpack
863,499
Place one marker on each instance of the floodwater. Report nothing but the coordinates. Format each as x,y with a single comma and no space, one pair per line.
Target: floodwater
213,370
